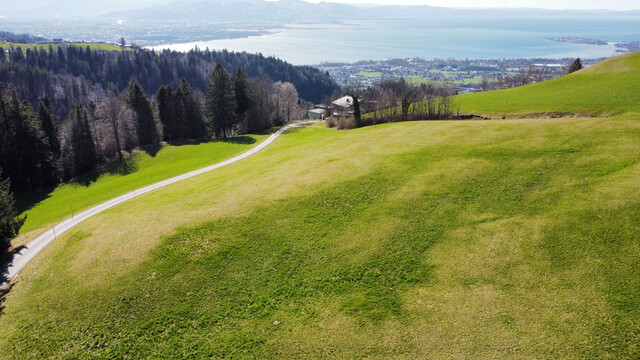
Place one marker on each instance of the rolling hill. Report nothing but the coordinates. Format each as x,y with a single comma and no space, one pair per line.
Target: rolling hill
608,88
460,239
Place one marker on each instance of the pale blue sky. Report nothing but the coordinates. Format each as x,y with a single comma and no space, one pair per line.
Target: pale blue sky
546,4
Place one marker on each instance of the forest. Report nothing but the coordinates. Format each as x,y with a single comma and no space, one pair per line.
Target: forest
71,75
67,110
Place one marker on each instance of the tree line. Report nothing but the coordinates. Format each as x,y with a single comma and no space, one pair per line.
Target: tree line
20,38
37,150
69,75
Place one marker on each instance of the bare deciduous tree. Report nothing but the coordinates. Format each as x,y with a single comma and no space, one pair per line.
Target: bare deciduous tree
286,100
114,123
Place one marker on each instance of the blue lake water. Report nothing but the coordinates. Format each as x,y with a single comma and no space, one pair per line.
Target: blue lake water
434,38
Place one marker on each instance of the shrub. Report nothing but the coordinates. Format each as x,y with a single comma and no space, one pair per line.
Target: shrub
346,123
331,122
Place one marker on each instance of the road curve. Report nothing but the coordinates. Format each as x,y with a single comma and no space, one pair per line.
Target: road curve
30,250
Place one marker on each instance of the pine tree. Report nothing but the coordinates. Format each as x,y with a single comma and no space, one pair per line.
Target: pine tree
24,153
49,123
10,224
189,112
79,152
575,66
167,114
241,92
137,99
219,104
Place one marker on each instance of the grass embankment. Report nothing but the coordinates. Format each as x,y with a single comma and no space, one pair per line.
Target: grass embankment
92,46
157,163
608,88
484,239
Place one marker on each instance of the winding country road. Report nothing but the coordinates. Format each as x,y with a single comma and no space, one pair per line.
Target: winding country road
20,259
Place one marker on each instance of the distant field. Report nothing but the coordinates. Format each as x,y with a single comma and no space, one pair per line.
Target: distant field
460,239
368,74
44,209
608,88
93,46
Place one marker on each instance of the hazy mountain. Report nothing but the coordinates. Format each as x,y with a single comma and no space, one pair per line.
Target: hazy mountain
251,10
297,10
240,11
70,8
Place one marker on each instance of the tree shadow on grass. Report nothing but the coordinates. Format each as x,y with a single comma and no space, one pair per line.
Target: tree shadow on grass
4,291
243,139
126,167
4,276
27,201
152,149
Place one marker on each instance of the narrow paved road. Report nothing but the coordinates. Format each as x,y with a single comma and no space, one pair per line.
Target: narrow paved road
21,259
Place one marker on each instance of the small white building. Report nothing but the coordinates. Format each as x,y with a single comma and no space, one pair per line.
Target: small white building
344,102
315,114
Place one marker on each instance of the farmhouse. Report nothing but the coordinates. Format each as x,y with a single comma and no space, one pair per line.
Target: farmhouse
343,106
316,114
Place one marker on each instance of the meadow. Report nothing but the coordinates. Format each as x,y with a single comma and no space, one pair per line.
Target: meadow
610,87
155,163
460,239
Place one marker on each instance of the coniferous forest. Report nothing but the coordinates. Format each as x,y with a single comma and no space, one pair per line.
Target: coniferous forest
65,110
70,74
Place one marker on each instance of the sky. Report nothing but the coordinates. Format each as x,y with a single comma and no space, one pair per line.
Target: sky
545,4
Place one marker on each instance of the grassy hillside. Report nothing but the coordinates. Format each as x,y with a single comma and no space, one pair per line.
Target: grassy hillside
609,87
93,46
157,163
484,239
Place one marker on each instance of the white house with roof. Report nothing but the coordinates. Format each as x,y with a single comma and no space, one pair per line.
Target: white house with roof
343,106
344,102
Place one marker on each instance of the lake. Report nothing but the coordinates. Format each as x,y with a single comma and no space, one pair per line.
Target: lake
466,37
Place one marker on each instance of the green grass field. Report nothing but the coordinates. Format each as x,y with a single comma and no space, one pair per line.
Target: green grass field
608,88
92,46
461,239
370,74
46,208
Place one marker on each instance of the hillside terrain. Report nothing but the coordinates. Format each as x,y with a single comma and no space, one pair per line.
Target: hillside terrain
486,239
610,87
495,239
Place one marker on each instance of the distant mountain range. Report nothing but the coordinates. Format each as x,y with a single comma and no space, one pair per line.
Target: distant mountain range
255,10
301,11
71,8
